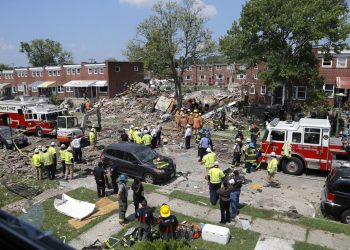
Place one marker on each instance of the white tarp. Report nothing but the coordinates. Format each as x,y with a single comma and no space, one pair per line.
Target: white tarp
73,208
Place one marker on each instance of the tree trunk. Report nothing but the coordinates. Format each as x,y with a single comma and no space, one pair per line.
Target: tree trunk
178,92
288,99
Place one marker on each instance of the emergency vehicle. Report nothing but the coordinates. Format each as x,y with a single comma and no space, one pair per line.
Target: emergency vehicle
311,144
31,116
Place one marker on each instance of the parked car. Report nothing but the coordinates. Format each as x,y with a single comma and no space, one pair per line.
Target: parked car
335,197
139,161
5,138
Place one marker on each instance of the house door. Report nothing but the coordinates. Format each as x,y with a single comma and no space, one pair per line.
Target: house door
278,95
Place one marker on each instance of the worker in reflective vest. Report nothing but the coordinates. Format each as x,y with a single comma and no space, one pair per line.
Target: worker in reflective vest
250,157
287,150
209,159
215,176
69,163
48,163
138,138
92,138
272,168
147,139
63,159
130,133
36,161
52,151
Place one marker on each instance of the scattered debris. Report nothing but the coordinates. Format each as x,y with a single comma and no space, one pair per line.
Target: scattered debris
74,208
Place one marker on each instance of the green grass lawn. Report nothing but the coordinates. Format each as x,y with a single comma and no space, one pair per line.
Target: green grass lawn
324,224
58,223
307,246
7,197
240,239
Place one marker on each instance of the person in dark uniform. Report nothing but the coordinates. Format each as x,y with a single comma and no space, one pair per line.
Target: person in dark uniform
123,135
100,178
167,223
114,177
145,217
137,188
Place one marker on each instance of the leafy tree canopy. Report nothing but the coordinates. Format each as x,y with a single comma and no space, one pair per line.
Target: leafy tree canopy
280,34
171,39
47,52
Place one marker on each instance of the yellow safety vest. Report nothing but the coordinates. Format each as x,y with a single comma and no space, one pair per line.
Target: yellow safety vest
91,136
138,140
147,139
52,151
63,154
287,150
47,159
250,155
68,157
135,134
209,160
130,134
36,160
215,175
273,166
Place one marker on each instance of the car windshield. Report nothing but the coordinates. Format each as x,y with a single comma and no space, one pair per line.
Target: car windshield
146,155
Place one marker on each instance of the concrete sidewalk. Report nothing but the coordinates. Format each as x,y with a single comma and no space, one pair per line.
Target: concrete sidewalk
274,234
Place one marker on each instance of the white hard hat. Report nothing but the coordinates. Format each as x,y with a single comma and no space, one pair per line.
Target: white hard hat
188,126
69,149
145,125
131,126
44,149
216,163
63,146
273,154
92,130
93,125
40,147
238,139
36,150
52,143
208,150
248,140
231,181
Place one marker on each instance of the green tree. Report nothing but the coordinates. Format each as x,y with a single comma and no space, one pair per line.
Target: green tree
172,39
280,35
4,66
47,52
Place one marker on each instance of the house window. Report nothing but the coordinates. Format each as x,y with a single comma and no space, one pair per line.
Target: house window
189,68
103,89
101,71
220,76
38,73
69,89
14,90
54,73
263,90
218,67
255,76
242,67
33,73
60,89
202,77
117,69
73,71
329,90
252,90
200,68
256,66
188,77
136,68
241,76
49,73
68,71
78,71
209,67
90,71
326,64
342,62
299,93
95,71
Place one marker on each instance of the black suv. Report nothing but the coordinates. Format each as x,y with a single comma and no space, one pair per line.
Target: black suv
335,197
139,161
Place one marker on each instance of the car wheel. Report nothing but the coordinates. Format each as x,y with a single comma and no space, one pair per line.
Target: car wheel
148,178
294,166
345,216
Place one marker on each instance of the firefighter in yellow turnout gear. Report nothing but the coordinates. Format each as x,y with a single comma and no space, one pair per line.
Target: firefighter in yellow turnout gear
272,168
287,150
36,161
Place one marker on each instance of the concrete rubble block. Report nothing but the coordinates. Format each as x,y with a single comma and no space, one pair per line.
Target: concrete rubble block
279,229
327,239
163,103
189,209
267,242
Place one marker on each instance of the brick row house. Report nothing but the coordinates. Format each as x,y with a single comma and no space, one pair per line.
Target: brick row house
336,74
94,80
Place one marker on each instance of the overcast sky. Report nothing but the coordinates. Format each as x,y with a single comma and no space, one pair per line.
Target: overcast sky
90,29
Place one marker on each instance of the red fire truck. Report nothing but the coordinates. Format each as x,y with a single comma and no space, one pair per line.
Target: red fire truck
312,146
31,116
